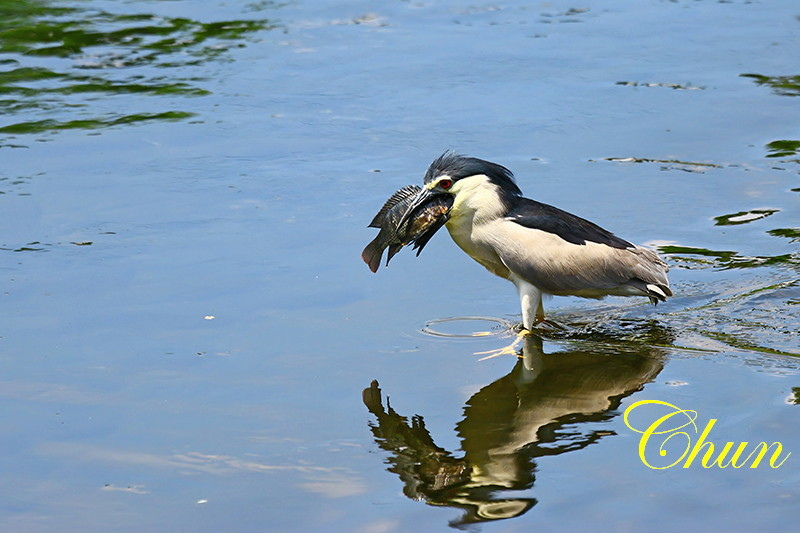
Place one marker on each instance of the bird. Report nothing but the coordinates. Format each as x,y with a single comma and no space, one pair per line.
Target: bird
541,249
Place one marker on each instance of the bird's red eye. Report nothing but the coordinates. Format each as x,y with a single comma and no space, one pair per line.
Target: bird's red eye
445,183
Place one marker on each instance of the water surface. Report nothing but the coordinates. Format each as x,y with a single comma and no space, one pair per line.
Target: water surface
189,339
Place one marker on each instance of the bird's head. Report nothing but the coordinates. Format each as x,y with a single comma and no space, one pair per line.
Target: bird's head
460,176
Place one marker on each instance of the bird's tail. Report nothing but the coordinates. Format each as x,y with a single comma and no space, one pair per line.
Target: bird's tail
657,293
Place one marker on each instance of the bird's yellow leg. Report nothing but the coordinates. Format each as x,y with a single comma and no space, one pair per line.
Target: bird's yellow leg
511,349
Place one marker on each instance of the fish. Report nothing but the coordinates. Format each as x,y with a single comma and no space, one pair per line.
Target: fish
417,228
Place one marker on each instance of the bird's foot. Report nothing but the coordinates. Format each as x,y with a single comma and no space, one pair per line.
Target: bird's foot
511,349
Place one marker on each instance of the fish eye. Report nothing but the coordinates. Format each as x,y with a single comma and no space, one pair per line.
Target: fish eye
445,183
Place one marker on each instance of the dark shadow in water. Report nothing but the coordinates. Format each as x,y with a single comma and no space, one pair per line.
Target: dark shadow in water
795,397
789,233
697,258
96,52
783,148
668,164
743,217
549,404
782,85
603,327
686,256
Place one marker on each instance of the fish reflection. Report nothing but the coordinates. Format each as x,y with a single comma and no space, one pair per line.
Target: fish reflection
540,408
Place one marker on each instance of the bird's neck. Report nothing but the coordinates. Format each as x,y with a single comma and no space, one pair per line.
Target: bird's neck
477,201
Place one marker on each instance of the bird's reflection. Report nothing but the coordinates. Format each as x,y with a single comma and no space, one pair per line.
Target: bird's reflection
540,408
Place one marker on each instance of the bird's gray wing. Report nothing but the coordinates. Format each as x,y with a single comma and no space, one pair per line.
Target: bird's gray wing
559,265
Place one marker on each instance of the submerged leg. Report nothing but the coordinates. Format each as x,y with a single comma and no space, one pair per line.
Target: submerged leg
530,298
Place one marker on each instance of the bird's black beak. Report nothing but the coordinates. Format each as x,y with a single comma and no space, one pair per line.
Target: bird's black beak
420,200
418,205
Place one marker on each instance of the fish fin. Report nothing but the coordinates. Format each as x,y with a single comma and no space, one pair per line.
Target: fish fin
393,249
396,198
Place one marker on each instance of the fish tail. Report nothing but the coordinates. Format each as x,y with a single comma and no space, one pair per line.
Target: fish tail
372,255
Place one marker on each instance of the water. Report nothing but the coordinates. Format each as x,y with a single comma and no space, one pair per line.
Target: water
188,331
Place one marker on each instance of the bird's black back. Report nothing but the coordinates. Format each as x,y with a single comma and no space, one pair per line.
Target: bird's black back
571,228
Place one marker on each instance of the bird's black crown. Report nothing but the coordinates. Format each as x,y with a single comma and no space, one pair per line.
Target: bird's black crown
458,166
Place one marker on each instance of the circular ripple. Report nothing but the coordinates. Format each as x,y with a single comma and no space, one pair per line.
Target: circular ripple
455,324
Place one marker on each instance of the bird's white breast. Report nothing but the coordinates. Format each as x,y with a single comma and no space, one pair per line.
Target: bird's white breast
477,204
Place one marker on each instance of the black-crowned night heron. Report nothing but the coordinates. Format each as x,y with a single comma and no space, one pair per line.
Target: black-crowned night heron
538,247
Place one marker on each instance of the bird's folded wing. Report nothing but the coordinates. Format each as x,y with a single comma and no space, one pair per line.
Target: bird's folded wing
571,228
